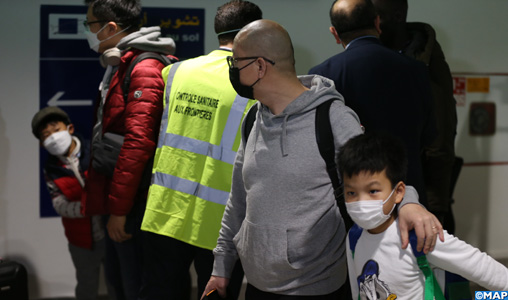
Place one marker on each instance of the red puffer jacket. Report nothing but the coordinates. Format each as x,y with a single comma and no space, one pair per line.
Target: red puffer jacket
138,120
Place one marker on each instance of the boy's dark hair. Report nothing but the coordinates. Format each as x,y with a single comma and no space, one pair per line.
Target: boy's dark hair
350,24
47,115
234,15
372,153
124,12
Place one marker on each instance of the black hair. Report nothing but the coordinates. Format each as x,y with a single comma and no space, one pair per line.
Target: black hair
372,153
234,15
124,12
349,24
50,118
392,11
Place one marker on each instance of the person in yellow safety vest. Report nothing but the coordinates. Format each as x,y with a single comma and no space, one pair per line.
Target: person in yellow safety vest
193,165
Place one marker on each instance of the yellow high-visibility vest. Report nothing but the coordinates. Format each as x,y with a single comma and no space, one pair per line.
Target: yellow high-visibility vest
198,140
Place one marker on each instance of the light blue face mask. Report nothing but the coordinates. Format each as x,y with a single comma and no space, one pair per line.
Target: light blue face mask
93,40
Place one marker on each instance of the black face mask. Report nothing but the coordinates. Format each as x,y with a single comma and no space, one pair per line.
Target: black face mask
245,91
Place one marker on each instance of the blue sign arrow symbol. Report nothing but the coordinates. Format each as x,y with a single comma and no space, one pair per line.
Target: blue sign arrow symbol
55,101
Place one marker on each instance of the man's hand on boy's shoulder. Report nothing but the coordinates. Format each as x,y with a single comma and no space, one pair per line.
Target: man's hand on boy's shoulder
427,227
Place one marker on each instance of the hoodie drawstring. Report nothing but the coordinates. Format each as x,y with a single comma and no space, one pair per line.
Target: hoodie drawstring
283,137
258,121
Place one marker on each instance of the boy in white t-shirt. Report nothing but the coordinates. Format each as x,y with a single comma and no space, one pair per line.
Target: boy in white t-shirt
373,167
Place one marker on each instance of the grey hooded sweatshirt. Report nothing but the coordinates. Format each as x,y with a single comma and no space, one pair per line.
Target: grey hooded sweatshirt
281,218
148,39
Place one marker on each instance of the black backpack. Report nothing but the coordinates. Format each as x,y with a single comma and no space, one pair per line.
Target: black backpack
324,138
166,60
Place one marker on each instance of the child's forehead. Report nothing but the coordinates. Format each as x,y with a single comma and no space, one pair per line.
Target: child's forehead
367,178
369,174
51,125
54,123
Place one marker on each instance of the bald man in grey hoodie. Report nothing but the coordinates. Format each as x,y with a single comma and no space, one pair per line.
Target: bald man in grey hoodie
281,218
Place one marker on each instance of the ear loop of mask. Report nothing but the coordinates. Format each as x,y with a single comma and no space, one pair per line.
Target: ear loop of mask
93,40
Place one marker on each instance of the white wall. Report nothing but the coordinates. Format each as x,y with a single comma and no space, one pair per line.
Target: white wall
472,34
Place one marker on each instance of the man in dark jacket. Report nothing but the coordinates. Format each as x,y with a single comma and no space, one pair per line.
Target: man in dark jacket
418,40
389,92
112,30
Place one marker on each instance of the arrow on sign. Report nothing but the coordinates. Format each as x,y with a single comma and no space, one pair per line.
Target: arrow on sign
55,101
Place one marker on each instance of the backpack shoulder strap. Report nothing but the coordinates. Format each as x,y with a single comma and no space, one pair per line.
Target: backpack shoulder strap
325,141
166,60
413,241
354,234
456,286
249,121
432,288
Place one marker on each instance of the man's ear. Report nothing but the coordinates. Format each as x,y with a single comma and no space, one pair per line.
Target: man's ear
335,35
112,28
70,129
261,63
400,191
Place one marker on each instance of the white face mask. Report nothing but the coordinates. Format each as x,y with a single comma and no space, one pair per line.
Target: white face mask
58,143
369,214
93,40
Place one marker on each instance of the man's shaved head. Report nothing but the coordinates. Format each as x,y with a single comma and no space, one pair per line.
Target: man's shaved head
352,18
269,39
346,6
